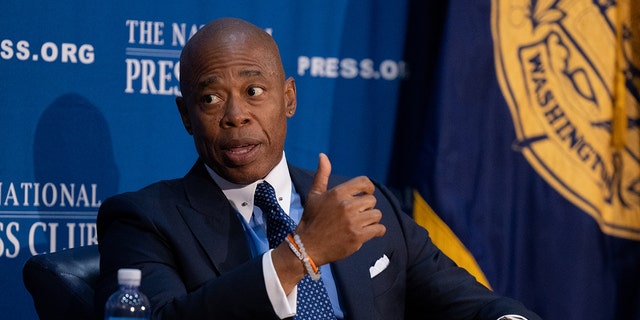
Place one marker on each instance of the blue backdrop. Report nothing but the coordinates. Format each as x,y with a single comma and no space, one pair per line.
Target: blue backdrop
87,105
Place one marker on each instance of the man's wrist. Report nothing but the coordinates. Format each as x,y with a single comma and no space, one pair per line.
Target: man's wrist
287,266
297,247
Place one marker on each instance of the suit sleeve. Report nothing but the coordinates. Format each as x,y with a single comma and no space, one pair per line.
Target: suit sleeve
436,287
178,278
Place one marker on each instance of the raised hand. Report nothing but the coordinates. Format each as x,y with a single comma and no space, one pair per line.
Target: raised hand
336,222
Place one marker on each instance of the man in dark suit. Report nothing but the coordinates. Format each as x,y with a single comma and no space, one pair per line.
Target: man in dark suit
201,241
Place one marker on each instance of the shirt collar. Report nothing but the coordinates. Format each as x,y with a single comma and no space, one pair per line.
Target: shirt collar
241,196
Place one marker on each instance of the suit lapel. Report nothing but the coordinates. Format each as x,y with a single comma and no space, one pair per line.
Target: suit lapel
213,221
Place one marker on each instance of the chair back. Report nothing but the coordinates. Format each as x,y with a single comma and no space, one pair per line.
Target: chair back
62,283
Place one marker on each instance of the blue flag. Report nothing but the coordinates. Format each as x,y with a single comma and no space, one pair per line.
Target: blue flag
519,127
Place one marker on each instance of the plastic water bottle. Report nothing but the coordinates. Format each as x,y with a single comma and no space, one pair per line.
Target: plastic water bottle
128,302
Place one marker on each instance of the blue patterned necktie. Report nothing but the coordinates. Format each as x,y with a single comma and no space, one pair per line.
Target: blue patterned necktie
313,300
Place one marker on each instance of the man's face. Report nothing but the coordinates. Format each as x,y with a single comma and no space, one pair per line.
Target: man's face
237,108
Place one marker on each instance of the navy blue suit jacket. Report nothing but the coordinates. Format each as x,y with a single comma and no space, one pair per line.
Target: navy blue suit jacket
196,263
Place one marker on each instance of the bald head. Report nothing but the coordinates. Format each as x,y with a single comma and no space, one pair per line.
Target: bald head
223,37
235,99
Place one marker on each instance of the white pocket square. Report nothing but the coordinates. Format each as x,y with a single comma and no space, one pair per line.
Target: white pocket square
379,266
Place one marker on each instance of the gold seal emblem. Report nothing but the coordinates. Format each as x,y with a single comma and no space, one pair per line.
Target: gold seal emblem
567,71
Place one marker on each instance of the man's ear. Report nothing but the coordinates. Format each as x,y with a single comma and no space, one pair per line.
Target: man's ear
290,97
184,114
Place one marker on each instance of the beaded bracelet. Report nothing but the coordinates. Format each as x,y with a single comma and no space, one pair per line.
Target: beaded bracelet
294,247
309,264
295,244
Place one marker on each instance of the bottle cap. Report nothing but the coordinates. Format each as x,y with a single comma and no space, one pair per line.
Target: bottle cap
129,277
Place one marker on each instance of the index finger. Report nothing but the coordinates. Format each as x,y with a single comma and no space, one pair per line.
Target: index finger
356,186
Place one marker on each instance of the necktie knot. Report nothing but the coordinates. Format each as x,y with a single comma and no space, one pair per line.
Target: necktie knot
265,196
279,224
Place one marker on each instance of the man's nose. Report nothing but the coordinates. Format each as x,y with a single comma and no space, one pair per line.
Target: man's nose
236,112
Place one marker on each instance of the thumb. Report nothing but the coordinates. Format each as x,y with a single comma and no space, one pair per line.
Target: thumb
321,178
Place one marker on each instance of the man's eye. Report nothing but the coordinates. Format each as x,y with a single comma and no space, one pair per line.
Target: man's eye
210,99
255,91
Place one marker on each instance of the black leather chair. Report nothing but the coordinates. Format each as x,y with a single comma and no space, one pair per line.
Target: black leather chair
62,283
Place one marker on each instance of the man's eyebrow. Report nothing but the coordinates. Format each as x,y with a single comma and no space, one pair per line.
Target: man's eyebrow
250,73
206,82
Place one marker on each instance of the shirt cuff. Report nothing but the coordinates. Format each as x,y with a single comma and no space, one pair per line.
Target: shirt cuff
283,305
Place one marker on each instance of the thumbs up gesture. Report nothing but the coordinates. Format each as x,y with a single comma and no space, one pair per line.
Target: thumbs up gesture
336,222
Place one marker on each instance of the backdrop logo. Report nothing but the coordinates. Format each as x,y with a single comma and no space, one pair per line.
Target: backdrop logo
46,217
49,51
556,64
350,68
153,55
